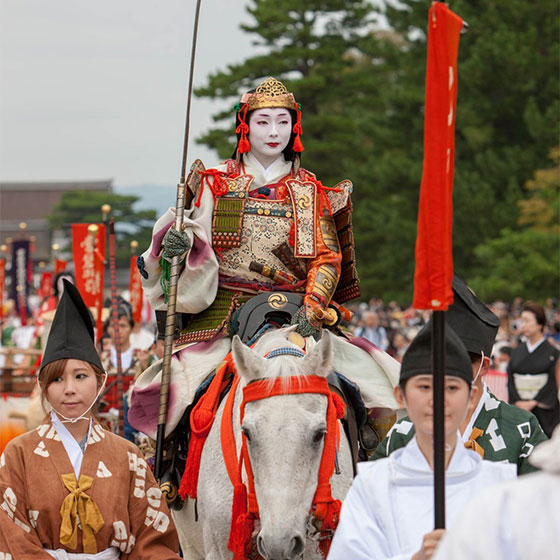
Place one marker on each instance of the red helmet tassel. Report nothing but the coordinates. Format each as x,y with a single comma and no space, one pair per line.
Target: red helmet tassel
298,130
244,145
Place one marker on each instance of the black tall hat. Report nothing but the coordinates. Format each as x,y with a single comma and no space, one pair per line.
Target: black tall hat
417,360
71,334
473,322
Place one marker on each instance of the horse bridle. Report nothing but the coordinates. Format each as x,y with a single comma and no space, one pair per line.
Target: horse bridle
325,509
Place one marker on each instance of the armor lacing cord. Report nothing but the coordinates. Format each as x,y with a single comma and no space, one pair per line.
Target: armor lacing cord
218,186
321,189
245,507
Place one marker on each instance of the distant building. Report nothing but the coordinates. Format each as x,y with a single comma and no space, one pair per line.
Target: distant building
32,202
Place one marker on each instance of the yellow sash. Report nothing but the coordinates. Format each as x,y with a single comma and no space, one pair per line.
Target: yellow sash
79,504
472,444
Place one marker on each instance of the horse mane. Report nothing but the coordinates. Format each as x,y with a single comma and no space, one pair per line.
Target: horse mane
284,365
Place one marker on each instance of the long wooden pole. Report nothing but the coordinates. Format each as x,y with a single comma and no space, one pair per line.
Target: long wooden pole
115,323
174,274
438,366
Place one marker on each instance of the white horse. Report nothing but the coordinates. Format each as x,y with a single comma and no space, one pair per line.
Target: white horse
285,443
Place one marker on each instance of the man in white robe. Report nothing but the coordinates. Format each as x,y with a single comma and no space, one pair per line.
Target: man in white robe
389,511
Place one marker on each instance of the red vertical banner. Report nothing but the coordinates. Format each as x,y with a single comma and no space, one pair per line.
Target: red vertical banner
46,287
434,256
60,265
89,255
136,294
2,284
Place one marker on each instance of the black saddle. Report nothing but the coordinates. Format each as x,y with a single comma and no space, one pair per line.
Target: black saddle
274,308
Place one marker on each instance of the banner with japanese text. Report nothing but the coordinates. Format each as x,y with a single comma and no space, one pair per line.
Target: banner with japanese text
88,251
20,277
136,294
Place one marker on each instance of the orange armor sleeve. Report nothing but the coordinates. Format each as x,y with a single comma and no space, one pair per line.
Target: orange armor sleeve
323,271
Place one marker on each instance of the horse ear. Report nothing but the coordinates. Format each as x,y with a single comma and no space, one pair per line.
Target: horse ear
248,363
319,359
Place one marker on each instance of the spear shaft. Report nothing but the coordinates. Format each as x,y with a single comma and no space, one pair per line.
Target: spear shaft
182,194
116,328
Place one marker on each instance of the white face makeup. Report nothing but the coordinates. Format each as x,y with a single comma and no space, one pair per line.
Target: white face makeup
269,133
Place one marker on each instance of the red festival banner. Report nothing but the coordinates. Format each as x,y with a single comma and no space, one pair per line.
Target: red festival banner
89,255
2,284
136,294
434,256
46,287
60,265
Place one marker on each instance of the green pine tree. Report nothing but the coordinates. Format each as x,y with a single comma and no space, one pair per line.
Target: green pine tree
362,91
311,46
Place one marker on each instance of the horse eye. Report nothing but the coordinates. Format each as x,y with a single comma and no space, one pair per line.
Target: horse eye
246,433
319,435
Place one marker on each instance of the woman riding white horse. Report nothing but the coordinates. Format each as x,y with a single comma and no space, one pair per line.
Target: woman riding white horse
258,223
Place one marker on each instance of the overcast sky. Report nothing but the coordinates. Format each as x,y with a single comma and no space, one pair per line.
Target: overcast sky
97,90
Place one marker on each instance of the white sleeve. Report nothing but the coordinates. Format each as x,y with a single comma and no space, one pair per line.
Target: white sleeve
359,534
475,534
198,278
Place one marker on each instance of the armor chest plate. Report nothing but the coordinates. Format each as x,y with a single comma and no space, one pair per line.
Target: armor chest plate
266,224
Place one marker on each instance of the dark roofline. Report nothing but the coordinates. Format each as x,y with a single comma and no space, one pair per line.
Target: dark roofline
101,185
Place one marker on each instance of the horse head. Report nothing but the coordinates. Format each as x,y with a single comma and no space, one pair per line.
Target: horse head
285,437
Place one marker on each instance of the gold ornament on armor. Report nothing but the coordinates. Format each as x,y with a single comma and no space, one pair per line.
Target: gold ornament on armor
277,300
270,93
328,230
325,282
304,202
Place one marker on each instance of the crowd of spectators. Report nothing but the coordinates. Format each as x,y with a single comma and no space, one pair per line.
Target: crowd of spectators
392,326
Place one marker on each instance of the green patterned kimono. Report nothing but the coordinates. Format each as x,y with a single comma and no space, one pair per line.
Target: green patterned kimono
509,434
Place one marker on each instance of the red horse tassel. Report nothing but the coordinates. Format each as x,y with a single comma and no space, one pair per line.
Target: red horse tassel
327,509
202,418
242,524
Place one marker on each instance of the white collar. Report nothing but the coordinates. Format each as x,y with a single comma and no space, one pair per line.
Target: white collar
72,447
409,466
264,176
532,347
